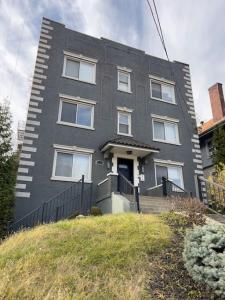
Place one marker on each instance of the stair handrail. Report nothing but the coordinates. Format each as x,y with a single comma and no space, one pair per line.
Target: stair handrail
53,199
154,187
181,190
125,178
134,190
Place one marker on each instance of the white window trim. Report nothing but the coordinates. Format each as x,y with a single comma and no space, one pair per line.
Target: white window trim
172,164
129,123
73,148
78,58
165,141
164,83
73,179
125,69
165,118
77,98
129,82
161,79
77,102
124,109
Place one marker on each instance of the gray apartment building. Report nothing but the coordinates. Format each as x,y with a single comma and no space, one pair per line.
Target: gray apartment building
99,108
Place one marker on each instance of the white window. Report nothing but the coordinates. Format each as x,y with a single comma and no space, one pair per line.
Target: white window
79,69
171,172
77,114
124,81
165,131
162,91
70,166
124,123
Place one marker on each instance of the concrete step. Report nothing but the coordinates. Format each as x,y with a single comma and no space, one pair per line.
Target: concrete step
155,210
154,205
217,218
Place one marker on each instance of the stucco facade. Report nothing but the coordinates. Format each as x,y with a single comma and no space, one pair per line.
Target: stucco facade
44,134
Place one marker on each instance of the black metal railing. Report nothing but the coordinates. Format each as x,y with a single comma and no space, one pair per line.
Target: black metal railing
74,200
125,187
170,189
212,194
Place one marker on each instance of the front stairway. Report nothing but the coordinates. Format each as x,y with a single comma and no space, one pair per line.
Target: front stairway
154,205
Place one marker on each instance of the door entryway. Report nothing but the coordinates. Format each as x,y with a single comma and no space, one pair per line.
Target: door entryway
126,167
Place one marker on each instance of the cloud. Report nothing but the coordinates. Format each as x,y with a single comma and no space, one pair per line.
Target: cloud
192,30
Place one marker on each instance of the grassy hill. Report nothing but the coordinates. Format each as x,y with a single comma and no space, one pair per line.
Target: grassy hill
90,258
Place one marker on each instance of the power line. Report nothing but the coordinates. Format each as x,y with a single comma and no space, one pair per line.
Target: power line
160,33
160,28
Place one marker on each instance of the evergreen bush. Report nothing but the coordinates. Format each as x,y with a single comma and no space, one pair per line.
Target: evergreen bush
204,256
8,169
96,211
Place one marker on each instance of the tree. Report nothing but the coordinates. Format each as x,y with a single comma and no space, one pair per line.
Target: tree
8,168
219,148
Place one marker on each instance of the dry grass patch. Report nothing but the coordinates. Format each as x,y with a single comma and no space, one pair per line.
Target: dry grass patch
91,258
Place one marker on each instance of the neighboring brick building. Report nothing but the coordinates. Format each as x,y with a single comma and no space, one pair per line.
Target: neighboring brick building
206,129
99,108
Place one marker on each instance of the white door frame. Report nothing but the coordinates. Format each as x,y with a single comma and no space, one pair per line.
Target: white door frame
117,155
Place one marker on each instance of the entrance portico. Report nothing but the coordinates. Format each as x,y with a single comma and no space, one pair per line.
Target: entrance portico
127,156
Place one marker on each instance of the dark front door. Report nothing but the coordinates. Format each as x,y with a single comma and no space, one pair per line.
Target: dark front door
126,167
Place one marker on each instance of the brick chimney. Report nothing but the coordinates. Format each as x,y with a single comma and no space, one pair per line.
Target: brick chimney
217,101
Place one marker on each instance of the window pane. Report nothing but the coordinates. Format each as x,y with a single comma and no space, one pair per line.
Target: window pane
81,166
156,90
210,148
68,113
64,164
84,113
174,174
159,132
123,86
123,119
87,71
168,93
123,77
171,132
123,129
161,172
72,68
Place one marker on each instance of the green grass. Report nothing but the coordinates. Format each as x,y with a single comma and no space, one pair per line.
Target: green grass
90,258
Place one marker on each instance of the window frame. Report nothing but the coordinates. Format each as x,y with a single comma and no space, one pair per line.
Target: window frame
208,150
177,142
129,123
118,80
164,164
161,82
72,152
76,102
79,59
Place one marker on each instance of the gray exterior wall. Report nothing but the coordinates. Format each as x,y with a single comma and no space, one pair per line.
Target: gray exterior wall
37,186
206,159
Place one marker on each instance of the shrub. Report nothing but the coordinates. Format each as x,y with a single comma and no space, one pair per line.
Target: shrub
204,256
195,210
177,221
96,211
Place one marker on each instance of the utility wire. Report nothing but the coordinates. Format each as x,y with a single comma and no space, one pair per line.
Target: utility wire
160,33
160,28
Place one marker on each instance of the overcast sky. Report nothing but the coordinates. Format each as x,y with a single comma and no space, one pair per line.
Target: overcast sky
194,33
